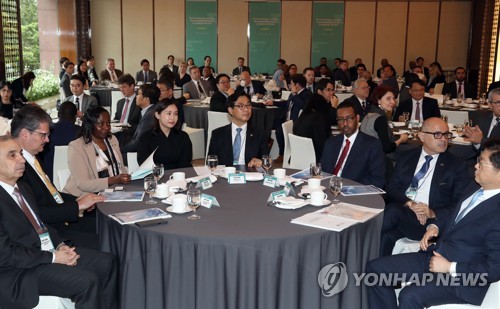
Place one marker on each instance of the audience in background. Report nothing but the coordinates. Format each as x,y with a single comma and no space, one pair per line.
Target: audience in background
69,68
92,74
81,100
20,86
110,73
419,107
182,77
460,85
82,70
241,67
224,90
436,76
145,75
197,87
6,106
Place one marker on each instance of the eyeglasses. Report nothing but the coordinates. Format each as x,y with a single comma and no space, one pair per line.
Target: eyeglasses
483,164
42,134
495,102
438,135
244,106
102,124
348,119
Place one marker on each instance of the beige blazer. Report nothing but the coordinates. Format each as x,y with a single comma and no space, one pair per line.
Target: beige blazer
82,165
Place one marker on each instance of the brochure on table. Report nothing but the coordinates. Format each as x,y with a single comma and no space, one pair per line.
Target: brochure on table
306,174
130,217
123,196
361,190
145,169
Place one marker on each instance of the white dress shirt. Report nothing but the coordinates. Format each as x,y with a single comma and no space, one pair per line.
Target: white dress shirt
424,185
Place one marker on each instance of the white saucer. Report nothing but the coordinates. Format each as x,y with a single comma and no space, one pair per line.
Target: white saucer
290,203
325,202
168,200
249,176
170,209
306,189
160,196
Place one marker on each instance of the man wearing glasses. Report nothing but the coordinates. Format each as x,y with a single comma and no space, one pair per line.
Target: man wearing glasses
420,107
426,185
487,125
238,143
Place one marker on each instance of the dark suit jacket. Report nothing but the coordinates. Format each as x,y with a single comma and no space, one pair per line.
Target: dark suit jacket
134,115
365,163
343,77
20,249
357,106
236,71
299,102
221,144
145,125
449,180
483,119
437,80
139,76
393,83
105,74
91,72
258,87
218,102
88,101
17,90
429,107
174,69
64,84
451,88
191,88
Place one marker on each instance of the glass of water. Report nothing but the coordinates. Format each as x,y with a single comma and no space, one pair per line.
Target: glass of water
315,170
267,162
212,162
158,171
194,201
150,188
336,187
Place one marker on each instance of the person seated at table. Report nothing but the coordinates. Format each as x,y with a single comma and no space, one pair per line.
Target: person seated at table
62,60
353,71
167,93
6,106
436,77
127,111
145,75
360,97
94,159
241,67
64,83
376,122
342,75
196,87
208,77
170,64
323,71
190,62
250,87
383,63
419,107
427,183
279,74
182,77
110,73
207,62
353,154
318,116
466,248
389,78
81,100
21,85
173,146
218,100
310,79
317,70
81,69
367,75
239,143
460,85
93,77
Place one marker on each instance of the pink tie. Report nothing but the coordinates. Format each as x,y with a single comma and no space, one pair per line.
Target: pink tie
417,111
124,111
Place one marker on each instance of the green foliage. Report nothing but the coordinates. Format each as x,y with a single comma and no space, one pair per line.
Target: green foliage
30,35
46,84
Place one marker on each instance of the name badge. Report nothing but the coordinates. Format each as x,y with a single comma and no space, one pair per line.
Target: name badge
289,189
411,193
46,242
275,195
236,178
270,181
208,200
204,183
57,197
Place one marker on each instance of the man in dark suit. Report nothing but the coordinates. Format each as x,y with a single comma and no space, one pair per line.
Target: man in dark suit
110,73
342,75
209,78
196,87
420,107
93,77
167,93
127,110
30,128
360,97
170,64
353,154
425,70
310,79
249,86
81,100
241,67
35,260
145,75
389,78
353,71
69,68
426,184
218,100
238,143
466,248
487,124
459,85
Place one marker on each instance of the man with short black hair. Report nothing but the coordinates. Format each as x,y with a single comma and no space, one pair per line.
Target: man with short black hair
224,90
145,75
241,67
459,85
170,64
342,74
69,69
81,100
310,78
166,88
418,106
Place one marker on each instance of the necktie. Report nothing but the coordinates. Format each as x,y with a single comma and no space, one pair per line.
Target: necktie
472,203
145,77
289,111
311,89
77,103
113,76
363,104
417,111
247,90
200,89
421,173
124,111
460,89
26,210
241,70
53,191
237,146
343,155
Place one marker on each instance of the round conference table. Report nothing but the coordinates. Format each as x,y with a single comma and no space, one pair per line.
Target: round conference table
242,254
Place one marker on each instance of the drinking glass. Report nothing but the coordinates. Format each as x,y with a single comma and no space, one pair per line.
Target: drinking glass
406,116
194,200
267,162
210,93
336,187
212,162
202,98
150,188
158,171
460,98
315,170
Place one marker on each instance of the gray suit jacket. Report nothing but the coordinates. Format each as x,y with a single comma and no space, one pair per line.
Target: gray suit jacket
139,76
191,88
64,84
88,101
105,74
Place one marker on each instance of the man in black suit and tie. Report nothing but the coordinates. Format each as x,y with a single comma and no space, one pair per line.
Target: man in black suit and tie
241,67
487,124
460,266
310,79
81,100
426,184
353,154
110,73
249,86
64,212
69,68
145,75
459,85
218,100
420,107
360,97
342,74
35,259
238,143
170,64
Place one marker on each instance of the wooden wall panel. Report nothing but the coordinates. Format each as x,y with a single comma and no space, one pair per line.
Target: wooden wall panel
232,34
170,31
67,29
359,32
296,20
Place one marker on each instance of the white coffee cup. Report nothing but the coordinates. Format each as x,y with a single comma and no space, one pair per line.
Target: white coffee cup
229,170
178,176
314,183
318,198
179,203
280,173
161,190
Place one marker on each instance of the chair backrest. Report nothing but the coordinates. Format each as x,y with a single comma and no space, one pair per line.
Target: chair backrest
132,162
60,163
215,120
302,152
438,88
62,176
115,97
287,128
285,94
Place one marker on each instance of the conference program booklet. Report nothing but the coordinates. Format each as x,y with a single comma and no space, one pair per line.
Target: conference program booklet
337,217
361,190
145,169
130,217
306,174
123,196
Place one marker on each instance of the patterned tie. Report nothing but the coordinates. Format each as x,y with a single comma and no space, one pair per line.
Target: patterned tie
417,111
460,88
237,146
200,89
124,111
364,105
472,203
113,76
343,155
26,210
421,173
77,103
53,191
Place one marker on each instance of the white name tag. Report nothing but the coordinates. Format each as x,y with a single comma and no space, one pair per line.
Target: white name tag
276,195
289,189
204,183
270,181
208,201
236,178
46,242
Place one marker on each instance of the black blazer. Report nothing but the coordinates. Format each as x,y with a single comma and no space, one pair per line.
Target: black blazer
429,107
449,180
236,71
258,87
17,90
483,120
218,102
134,115
221,144
299,102
357,106
451,88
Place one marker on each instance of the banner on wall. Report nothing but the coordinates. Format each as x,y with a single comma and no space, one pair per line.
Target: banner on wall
264,36
327,31
201,31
